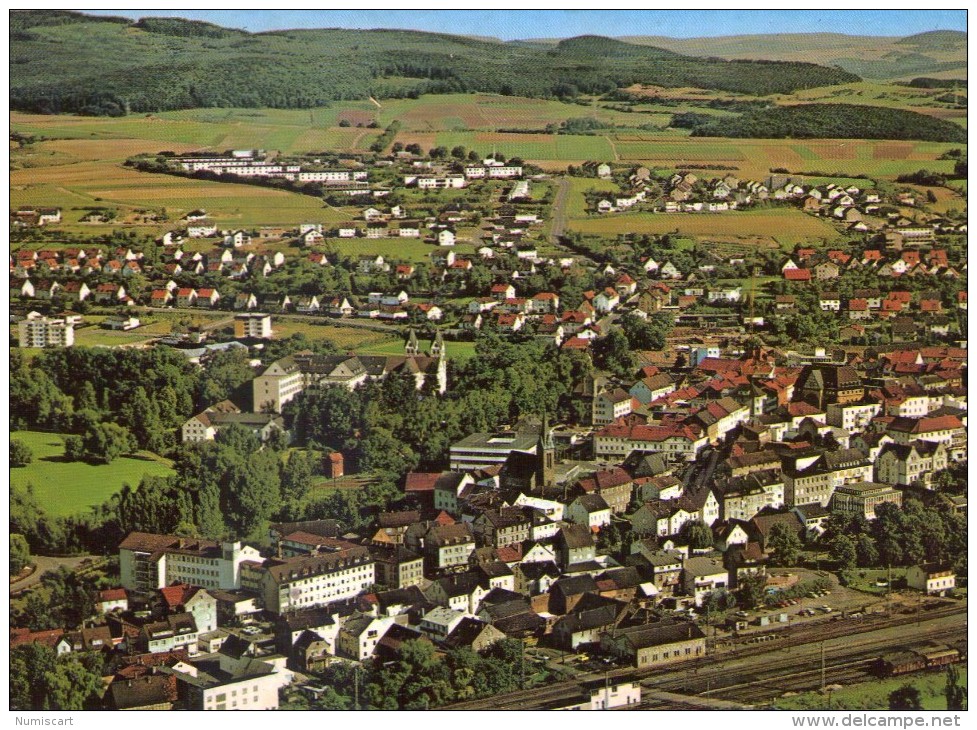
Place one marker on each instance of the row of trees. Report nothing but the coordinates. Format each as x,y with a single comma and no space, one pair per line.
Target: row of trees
421,679
909,535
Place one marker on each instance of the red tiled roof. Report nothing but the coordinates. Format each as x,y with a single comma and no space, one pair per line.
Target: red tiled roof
800,408
177,595
444,518
576,343
797,275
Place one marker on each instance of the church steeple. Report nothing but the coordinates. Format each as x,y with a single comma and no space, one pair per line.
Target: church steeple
411,347
546,453
437,347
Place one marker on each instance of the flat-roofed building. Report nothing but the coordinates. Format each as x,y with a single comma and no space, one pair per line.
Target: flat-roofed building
482,450
862,498
253,325
45,332
149,561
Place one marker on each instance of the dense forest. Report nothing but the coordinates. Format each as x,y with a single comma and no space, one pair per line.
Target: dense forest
69,62
832,121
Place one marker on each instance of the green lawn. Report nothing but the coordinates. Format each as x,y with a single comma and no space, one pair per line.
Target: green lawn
399,249
864,579
532,146
457,351
64,488
874,695
577,203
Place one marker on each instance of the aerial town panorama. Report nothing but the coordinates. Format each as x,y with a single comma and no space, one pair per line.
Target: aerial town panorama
396,369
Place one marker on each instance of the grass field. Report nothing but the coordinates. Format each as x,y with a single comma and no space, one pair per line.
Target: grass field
78,184
874,695
576,202
492,112
457,351
401,249
771,227
346,338
64,488
864,579
557,147
756,157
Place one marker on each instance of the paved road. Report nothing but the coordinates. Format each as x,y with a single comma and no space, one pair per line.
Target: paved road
44,565
559,210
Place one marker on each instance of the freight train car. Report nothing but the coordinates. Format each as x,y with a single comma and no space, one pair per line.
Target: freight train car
934,656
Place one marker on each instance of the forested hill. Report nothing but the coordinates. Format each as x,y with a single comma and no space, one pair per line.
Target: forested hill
833,121
62,61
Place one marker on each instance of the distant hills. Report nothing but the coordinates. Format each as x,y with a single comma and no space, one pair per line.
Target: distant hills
65,61
941,53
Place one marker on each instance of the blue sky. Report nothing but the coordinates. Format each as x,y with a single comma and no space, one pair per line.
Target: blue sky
509,24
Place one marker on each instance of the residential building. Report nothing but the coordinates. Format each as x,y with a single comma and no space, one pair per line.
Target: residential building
178,631
656,645
611,405
45,332
814,477
702,576
148,562
619,439
316,580
253,325
931,579
743,497
228,682
360,634
917,462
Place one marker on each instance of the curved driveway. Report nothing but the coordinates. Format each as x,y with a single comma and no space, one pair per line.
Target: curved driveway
44,564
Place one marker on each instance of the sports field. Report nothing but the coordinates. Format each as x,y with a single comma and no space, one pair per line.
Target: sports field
71,488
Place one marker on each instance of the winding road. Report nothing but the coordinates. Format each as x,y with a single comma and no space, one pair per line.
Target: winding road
44,564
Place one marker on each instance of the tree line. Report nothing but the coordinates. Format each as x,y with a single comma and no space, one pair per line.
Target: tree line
834,121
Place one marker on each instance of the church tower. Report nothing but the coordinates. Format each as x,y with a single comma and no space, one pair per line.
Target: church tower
411,347
546,456
438,351
437,347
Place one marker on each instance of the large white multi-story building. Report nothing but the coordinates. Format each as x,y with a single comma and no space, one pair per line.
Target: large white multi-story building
316,580
45,332
148,562
332,176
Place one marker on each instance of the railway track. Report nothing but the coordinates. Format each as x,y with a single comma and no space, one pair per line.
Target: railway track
788,666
